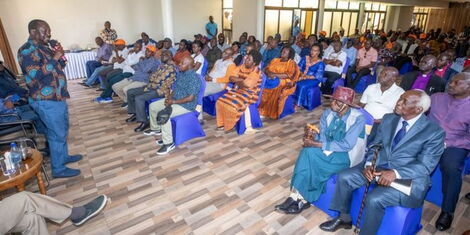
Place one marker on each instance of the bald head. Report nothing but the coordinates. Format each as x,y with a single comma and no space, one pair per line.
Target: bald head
387,77
39,31
186,64
427,63
459,85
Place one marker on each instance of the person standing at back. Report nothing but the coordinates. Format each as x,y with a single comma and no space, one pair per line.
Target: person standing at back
211,28
45,78
108,34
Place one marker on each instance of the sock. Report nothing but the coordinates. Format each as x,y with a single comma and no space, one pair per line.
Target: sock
77,213
345,217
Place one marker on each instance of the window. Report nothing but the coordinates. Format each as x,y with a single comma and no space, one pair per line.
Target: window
227,10
420,17
374,16
340,15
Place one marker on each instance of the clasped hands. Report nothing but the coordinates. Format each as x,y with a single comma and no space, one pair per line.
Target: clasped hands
386,177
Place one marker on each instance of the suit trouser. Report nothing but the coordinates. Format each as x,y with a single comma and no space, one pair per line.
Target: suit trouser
327,86
121,88
377,199
154,108
451,164
352,82
26,212
136,99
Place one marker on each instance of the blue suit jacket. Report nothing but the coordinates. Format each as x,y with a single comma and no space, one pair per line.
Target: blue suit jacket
414,157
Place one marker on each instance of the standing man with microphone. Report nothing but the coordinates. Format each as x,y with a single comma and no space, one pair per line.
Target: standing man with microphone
43,68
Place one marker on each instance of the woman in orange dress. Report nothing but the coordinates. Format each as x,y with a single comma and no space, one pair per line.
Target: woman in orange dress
246,79
282,74
181,52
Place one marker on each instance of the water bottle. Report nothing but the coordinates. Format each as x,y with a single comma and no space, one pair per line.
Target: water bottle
15,154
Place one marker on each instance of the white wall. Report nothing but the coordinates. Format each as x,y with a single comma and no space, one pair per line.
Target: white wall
191,16
245,18
78,22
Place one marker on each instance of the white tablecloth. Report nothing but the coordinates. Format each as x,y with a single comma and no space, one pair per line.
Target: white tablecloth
76,64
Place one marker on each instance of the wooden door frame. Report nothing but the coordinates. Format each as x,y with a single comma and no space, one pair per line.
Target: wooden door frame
9,59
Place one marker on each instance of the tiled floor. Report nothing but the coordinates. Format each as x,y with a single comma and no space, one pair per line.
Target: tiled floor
220,184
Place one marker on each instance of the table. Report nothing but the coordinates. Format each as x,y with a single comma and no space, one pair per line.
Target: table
76,64
29,168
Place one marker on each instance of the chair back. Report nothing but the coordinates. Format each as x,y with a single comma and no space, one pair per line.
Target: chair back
345,68
260,94
201,94
205,67
369,120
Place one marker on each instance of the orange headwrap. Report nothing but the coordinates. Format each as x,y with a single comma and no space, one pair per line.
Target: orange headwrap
412,36
422,36
119,42
323,33
152,48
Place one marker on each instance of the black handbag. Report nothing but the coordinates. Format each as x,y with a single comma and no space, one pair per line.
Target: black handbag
164,115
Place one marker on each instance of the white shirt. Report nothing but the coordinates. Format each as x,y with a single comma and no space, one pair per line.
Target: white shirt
411,50
377,103
200,59
124,53
223,47
132,59
331,55
220,68
144,46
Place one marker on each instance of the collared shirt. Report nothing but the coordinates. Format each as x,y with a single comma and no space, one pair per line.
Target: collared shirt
220,68
332,55
379,103
352,53
296,48
223,46
440,72
410,122
186,84
108,35
104,52
144,68
453,115
132,59
198,58
212,28
44,76
123,53
458,64
270,54
367,56
162,79
421,82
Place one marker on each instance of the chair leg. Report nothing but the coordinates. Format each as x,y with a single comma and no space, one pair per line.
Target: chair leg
45,175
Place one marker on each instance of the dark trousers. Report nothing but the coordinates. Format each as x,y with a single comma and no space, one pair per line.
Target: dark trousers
400,61
377,199
136,99
106,74
352,82
331,77
451,164
108,90
91,66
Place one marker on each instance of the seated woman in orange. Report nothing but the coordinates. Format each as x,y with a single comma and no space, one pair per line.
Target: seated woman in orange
182,51
246,79
282,74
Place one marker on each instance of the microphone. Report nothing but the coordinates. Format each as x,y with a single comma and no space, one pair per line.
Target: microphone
54,44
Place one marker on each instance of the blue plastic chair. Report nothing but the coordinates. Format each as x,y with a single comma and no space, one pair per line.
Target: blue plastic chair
407,67
208,102
365,81
256,121
308,94
340,82
205,67
434,194
186,126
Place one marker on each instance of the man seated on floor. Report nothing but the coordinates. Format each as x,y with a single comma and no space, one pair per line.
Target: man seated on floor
145,40
424,79
183,99
451,111
339,145
246,79
119,55
25,212
213,79
103,53
8,83
334,60
411,148
380,98
365,62
159,84
140,78
121,71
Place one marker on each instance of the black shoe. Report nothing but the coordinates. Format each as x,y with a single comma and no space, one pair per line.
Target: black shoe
286,204
131,118
296,207
100,89
165,149
444,221
84,84
335,224
142,127
150,132
91,209
467,196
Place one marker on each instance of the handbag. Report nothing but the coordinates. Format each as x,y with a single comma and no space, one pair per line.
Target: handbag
164,115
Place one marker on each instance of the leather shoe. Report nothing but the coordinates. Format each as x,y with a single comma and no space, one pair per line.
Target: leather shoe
67,173
467,196
444,221
142,127
73,158
335,224
286,204
131,118
297,207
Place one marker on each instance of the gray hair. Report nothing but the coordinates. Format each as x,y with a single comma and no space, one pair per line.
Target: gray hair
424,100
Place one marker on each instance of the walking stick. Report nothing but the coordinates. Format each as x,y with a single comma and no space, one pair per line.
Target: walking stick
363,203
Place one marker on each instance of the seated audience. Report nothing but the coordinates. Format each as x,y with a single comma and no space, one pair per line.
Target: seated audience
121,71
443,69
140,77
339,145
365,62
408,49
215,80
246,79
334,60
8,83
221,42
451,111
183,51
213,54
183,99
237,57
412,146
312,68
271,52
108,34
424,79
25,212
282,74
159,84
103,54
351,51
168,45
146,41
198,57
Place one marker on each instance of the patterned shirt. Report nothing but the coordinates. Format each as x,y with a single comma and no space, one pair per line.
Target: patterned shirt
44,76
108,35
186,84
162,79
